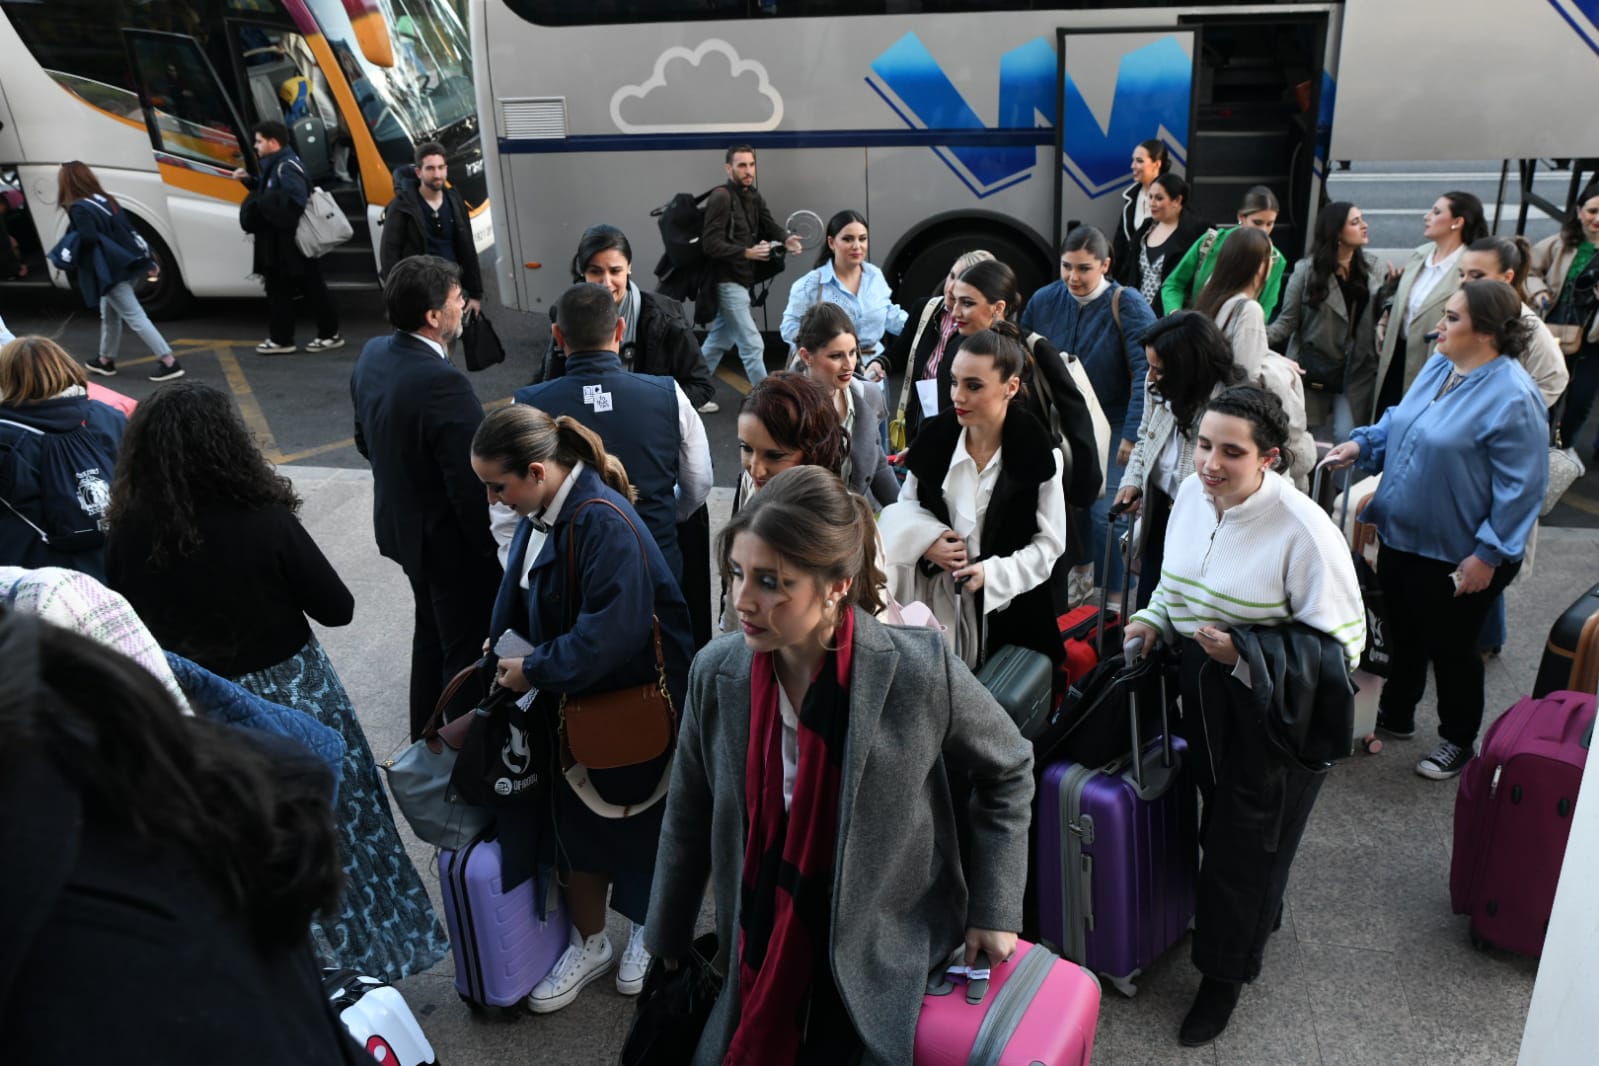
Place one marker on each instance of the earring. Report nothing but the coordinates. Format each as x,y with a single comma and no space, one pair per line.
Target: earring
829,605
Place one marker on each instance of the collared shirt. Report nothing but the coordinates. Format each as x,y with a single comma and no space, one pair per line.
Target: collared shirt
873,309
540,531
790,720
967,491
1426,280
435,345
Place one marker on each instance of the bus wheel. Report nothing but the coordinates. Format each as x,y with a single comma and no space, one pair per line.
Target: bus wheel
932,256
165,297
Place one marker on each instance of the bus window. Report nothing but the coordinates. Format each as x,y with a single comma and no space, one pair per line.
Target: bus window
188,114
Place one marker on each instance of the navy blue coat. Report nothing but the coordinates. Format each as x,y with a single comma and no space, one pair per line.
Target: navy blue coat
1114,363
22,431
107,248
640,429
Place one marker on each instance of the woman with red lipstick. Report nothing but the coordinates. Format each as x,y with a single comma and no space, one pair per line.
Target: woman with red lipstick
1161,244
981,520
810,791
828,351
1251,564
1150,161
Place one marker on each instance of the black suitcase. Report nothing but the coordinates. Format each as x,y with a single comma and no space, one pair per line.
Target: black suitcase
1571,658
1022,680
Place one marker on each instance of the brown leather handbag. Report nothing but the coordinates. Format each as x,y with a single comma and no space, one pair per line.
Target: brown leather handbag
623,727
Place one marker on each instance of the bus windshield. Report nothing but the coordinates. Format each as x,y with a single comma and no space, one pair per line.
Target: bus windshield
429,87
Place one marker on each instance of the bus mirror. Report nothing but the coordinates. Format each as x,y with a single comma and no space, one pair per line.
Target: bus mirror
371,31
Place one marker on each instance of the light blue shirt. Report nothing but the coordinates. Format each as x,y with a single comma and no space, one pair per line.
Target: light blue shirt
872,309
1463,474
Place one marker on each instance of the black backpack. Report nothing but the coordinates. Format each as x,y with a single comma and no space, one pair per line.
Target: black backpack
684,272
74,479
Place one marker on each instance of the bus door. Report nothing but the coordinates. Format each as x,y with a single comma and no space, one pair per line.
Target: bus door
1113,89
198,140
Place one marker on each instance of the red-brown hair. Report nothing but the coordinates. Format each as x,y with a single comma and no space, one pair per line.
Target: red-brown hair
77,182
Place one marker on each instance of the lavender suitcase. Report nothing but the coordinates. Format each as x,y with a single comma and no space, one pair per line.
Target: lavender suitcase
1513,817
1118,851
501,948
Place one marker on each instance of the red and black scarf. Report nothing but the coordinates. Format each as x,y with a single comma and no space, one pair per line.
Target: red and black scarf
788,857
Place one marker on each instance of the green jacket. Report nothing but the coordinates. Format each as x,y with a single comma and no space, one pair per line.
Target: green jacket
1182,285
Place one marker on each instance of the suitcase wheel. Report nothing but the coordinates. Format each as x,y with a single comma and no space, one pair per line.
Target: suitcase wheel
1124,985
1481,943
471,1004
1371,743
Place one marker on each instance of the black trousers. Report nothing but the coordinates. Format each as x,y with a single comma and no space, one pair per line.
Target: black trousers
1428,623
452,620
1391,389
281,292
1152,552
1256,806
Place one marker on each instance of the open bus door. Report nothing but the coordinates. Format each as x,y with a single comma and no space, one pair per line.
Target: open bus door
198,140
1114,88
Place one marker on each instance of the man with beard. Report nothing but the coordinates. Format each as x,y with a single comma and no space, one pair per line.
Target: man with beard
427,216
415,415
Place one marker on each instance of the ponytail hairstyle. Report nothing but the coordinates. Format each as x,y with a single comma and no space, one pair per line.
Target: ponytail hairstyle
1156,150
1467,208
1513,254
1195,357
1268,421
519,435
1258,198
1325,240
818,527
799,414
1495,312
996,282
835,226
823,322
1571,229
1004,344
1238,263
1175,187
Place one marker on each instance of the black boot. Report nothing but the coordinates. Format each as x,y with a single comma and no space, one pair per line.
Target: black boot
1213,1006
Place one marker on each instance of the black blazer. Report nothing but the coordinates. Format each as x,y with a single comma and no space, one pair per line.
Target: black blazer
414,419
1190,228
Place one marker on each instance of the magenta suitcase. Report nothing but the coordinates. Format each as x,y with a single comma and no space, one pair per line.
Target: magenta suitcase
501,948
1512,818
1118,848
1035,1009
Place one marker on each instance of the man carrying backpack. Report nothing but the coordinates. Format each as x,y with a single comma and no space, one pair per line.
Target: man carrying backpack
739,233
272,213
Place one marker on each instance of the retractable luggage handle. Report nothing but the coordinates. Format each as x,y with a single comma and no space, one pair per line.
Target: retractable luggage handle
1116,511
1135,669
1349,480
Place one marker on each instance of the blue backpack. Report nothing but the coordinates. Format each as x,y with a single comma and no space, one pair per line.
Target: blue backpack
74,485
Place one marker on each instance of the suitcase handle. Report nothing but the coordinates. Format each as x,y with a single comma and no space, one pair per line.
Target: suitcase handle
1137,667
1349,479
1116,511
976,975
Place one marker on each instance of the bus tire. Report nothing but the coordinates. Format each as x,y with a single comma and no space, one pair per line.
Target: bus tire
930,257
166,297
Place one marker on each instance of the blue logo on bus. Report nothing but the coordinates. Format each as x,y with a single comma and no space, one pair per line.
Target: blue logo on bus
1583,16
1153,86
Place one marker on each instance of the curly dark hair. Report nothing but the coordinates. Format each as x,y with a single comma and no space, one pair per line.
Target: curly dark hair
1268,421
799,414
1195,357
184,448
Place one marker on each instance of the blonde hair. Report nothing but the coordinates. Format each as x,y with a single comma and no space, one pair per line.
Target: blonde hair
37,368
518,435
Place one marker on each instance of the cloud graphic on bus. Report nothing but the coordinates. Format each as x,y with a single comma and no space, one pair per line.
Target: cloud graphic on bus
739,89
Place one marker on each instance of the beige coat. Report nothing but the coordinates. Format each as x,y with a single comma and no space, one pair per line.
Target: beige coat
1546,274
1417,347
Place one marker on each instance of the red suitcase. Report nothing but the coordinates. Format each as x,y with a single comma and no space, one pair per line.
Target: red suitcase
1034,1009
1512,818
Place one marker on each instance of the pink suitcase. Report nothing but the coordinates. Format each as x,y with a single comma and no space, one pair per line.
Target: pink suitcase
1033,1010
1512,818
501,948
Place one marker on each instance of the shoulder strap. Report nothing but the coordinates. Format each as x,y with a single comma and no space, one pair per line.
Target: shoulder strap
910,363
571,576
1116,313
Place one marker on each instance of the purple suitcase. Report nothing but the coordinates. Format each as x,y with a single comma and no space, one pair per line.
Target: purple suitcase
501,948
1118,853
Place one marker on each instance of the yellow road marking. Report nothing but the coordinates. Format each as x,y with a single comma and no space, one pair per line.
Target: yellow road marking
1581,503
249,407
320,449
200,342
735,379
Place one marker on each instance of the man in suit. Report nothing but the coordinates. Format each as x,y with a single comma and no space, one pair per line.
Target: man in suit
415,415
646,421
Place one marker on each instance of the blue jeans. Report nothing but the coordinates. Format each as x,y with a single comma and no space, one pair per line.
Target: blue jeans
1580,395
1493,633
735,325
118,304
1097,536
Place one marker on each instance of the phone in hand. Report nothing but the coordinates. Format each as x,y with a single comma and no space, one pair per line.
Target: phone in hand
512,645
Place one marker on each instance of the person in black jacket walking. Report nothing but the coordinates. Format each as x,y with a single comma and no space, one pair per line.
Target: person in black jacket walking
272,212
428,216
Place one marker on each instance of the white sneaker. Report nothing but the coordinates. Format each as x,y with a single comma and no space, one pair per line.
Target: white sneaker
709,407
635,960
581,963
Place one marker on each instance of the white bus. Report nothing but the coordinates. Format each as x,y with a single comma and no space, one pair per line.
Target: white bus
158,96
993,123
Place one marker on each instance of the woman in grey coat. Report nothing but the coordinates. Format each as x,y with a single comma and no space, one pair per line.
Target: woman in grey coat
816,744
1329,320
826,348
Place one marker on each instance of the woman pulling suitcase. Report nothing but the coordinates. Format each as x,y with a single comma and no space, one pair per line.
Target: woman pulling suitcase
1294,600
809,790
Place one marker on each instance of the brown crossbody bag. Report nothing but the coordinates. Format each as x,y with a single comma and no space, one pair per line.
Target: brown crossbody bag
627,726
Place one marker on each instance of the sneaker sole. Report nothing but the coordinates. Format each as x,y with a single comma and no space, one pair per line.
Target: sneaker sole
324,347
168,377
1432,773
276,351
555,1003
103,371
629,988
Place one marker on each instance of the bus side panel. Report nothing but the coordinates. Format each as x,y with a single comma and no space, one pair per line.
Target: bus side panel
1507,79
